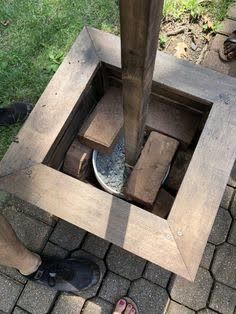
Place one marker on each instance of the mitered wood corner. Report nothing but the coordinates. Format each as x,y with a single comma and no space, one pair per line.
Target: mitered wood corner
177,243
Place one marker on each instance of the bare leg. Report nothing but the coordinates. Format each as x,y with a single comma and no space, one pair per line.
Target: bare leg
13,253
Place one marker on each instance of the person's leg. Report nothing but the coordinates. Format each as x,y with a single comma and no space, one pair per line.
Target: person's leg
13,253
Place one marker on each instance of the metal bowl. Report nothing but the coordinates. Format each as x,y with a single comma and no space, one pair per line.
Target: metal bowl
105,186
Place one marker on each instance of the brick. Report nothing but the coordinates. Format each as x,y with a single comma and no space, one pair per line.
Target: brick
224,266
176,308
67,236
9,292
218,42
150,298
125,263
95,245
78,160
68,303
36,299
91,292
53,250
213,61
227,196
150,170
207,256
113,287
18,310
33,233
232,12
233,207
232,235
178,169
172,121
97,306
163,203
157,274
223,299
102,128
192,294
228,26
221,227
232,178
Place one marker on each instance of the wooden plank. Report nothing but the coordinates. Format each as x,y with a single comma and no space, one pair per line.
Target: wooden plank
199,196
55,108
78,161
147,175
102,128
140,24
171,74
163,204
104,215
172,121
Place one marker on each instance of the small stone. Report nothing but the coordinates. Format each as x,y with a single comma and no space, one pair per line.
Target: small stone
95,245
36,299
232,235
224,266
193,46
157,274
53,250
68,303
207,256
225,202
176,308
192,294
221,227
67,236
97,306
114,287
223,299
33,233
150,298
125,263
9,292
233,207
91,292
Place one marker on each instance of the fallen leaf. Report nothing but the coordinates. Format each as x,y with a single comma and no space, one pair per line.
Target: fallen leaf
181,50
207,22
6,23
208,37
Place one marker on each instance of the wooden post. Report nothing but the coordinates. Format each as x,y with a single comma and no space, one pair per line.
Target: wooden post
140,23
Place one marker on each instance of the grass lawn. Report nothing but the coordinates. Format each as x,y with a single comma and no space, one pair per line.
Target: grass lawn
41,32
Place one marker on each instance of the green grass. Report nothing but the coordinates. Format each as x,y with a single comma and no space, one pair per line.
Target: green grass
42,31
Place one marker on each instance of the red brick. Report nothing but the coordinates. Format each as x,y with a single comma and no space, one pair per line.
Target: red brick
148,173
178,169
78,160
163,204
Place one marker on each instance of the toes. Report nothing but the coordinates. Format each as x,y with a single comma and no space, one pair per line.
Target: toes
133,311
231,55
128,309
120,306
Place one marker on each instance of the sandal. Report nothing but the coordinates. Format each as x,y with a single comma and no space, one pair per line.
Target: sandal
226,52
68,275
17,112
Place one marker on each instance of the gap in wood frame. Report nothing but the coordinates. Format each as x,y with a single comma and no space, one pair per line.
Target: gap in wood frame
188,116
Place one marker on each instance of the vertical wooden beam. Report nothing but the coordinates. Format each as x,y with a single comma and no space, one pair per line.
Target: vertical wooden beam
140,23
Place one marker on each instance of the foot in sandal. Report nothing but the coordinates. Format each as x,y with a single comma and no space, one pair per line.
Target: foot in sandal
125,306
228,51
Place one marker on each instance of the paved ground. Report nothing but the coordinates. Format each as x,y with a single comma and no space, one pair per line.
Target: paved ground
154,289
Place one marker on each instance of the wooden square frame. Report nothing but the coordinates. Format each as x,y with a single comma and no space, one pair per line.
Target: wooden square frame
177,243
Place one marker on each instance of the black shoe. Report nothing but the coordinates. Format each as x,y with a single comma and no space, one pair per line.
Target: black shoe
71,275
18,112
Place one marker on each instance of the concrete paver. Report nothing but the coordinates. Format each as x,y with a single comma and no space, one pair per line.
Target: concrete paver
233,207
125,263
223,299
207,256
97,306
232,234
95,245
227,196
68,303
176,308
192,294
157,274
113,287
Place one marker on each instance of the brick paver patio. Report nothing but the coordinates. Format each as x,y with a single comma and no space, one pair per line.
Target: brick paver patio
154,289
